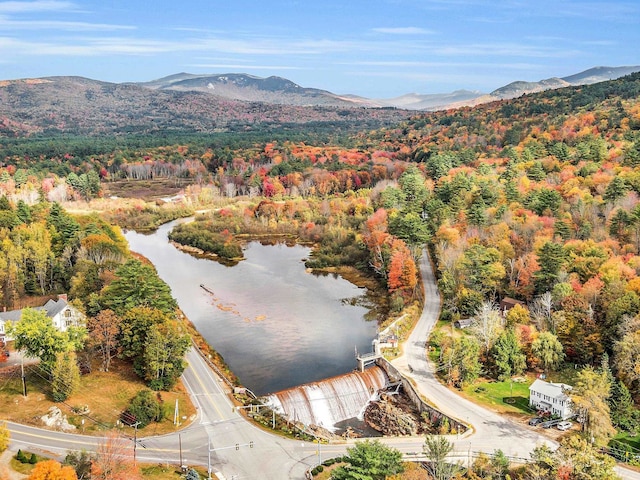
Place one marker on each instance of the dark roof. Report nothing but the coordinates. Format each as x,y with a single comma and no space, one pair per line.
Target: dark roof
463,322
508,302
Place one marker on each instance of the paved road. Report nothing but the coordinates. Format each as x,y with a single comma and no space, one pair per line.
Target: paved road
217,424
490,430
220,427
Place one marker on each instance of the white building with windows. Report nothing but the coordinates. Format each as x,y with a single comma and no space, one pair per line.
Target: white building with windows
550,397
62,315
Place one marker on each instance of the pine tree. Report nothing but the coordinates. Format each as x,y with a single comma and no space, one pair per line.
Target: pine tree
65,376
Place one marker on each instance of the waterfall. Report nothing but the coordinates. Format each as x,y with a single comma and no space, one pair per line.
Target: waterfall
329,401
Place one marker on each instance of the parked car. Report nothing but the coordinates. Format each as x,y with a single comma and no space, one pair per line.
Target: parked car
550,423
536,420
564,426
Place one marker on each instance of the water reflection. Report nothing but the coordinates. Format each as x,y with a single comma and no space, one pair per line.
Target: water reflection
276,325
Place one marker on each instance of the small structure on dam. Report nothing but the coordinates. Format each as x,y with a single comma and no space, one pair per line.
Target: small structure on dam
379,396
330,401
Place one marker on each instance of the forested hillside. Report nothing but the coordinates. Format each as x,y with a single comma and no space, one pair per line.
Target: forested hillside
535,198
81,106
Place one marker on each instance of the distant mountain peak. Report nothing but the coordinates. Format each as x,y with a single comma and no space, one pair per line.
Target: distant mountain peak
592,75
242,86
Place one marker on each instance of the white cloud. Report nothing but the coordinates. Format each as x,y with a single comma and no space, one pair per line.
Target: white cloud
244,66
403,30
58,25
418,64
505,50
37,6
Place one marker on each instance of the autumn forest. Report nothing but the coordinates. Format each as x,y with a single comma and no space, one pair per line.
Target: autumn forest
535,199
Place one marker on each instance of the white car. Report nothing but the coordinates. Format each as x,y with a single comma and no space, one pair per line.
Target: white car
564,426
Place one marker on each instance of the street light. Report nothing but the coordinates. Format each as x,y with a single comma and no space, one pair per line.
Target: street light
135,439
209,450
209,457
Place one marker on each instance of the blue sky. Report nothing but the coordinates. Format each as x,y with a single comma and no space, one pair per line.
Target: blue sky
374,48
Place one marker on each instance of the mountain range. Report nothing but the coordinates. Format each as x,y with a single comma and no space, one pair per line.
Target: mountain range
278,90
226,102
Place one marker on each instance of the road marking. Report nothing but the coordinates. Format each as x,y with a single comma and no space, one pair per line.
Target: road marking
204,387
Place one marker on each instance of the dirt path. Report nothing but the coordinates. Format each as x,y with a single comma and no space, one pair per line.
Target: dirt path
5,467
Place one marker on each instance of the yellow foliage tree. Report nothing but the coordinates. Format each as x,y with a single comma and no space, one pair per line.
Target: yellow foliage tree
5,435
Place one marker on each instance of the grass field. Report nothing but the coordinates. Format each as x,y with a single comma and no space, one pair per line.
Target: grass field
504,397
104,394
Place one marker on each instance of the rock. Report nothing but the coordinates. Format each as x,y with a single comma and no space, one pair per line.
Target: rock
56,419
393,415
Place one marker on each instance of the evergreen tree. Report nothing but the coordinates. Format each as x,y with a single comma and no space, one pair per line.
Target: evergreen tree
624,414
369,460
138,285
507,355
436,448
65,376
551,259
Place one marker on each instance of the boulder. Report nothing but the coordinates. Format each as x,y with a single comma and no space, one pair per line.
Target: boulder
57,420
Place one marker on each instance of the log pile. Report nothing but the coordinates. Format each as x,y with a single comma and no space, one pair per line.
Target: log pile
394,415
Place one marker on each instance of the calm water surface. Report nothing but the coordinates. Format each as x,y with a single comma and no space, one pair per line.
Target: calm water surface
276,325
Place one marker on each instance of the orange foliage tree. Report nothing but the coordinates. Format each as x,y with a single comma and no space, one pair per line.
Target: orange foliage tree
103,331
403,274
52,470
375,237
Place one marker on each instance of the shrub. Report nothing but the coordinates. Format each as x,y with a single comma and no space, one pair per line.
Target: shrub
192,475
20,456
33,459
144,408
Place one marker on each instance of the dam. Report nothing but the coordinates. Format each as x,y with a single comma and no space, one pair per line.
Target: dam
328,402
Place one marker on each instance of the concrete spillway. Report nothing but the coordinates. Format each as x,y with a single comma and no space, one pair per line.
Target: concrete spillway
330,401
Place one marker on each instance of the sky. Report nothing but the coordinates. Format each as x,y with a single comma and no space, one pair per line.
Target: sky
372,48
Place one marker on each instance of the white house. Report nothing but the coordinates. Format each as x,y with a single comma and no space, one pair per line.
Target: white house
550,397
62,315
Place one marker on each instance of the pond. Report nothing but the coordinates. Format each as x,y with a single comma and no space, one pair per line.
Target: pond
275,324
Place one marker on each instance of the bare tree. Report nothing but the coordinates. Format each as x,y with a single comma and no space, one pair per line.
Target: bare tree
487,324
541,312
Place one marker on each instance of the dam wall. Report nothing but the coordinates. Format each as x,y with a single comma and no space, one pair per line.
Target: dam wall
328,402
433,413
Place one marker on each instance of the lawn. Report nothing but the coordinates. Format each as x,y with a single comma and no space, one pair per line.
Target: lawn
104,394
149,471
166,472
504,397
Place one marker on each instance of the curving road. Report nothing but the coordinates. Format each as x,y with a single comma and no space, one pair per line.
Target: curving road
490,430
238,449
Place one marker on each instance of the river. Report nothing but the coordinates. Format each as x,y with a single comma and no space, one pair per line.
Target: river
275,324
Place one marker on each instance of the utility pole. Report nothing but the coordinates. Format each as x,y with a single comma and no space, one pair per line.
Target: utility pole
209,457
180,442
24,379
135,440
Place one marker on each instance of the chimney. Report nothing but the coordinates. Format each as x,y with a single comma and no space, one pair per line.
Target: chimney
63,296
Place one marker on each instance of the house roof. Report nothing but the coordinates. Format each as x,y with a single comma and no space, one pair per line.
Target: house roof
52,308
553,390
463,322
509,303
